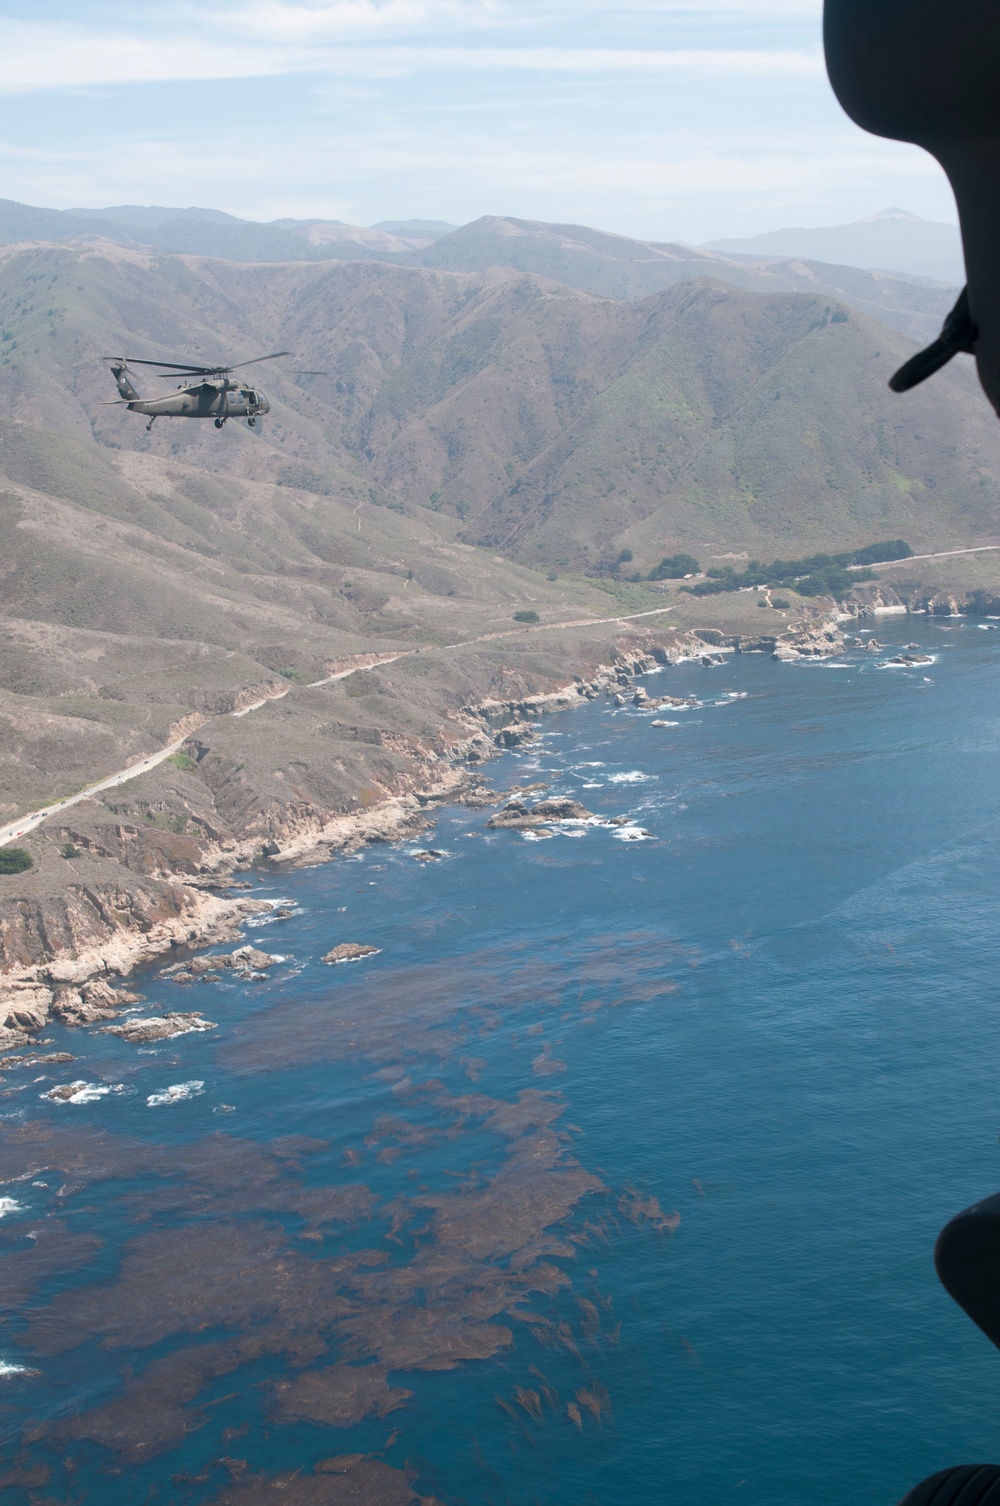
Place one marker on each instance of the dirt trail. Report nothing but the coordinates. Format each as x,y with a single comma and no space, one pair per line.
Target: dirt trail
24,824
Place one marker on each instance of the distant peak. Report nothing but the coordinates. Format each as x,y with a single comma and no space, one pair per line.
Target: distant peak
900,216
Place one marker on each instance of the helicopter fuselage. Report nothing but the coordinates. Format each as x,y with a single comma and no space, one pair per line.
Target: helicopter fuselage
217,398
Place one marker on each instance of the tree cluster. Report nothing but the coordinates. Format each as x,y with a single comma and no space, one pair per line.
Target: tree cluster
675,567
816,575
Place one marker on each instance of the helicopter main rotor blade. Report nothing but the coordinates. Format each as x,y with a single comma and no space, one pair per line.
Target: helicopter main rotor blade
272,357
169,365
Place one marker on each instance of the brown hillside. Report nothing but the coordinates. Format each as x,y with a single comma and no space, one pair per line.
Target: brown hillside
760,424
558,425
615,266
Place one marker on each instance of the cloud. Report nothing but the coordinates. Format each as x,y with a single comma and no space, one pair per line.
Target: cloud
40,58
659,118
662,186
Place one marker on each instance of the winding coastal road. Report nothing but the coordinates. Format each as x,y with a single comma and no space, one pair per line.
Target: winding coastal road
908,559
24,824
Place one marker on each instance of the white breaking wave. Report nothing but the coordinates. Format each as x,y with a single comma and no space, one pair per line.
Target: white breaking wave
634,776
10,1205
82,1092
178,1092
633,834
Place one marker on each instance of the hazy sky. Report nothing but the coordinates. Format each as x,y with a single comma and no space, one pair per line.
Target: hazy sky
650,117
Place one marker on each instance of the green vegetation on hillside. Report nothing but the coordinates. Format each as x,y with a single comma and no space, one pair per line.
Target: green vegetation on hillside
15,860
818,575
675,567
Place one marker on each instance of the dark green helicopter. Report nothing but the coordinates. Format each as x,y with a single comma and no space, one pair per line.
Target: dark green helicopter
212,392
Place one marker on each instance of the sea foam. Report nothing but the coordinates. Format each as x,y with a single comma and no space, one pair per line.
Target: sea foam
178,1092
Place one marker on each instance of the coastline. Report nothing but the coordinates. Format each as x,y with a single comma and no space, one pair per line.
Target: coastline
73,972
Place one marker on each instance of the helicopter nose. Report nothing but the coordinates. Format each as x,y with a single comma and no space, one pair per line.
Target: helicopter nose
263,406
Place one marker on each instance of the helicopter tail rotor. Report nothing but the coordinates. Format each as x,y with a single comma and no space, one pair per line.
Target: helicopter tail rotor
119,370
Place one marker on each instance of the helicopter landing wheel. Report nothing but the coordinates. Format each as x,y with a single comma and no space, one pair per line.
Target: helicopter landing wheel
251,422
152,421
219,422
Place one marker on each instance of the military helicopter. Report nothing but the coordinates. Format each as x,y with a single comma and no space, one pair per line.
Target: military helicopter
213,392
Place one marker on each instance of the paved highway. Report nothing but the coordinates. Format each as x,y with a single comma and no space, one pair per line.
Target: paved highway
24,824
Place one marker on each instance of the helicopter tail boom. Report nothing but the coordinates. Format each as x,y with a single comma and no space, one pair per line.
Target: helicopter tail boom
119,370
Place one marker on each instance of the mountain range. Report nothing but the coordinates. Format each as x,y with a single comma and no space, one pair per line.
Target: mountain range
892,238
550,422
595,261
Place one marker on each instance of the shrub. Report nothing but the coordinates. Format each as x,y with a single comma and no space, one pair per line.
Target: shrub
15,860
674,567
625,558
527,616
69,851
184,761
780,603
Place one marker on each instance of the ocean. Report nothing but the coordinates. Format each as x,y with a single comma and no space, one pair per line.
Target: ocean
613,1175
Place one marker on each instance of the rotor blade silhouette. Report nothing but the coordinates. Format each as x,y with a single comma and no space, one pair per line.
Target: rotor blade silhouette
190,369
256,360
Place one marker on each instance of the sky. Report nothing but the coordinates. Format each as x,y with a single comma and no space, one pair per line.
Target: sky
657,119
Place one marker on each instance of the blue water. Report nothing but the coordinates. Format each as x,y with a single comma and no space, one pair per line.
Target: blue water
777,1017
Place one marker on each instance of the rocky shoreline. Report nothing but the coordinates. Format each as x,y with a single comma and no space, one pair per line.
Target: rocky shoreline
72,971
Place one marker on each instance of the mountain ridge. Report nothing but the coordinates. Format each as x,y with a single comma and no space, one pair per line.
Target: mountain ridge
594,261
892,238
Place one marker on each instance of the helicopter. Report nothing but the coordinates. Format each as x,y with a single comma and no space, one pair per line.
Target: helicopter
212,392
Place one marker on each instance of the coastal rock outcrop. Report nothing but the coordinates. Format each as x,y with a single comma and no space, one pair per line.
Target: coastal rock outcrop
158,1027
90,1002
350,951
518,815
815,642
